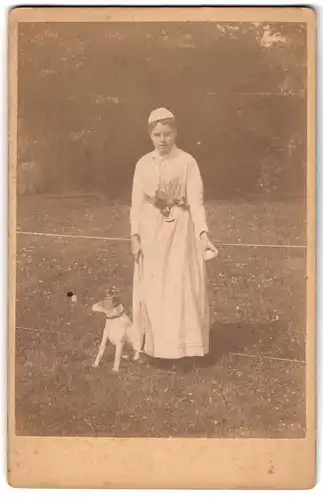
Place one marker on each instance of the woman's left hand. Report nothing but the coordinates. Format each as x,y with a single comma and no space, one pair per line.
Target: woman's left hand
206,243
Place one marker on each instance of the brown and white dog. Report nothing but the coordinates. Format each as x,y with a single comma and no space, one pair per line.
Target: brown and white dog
118,329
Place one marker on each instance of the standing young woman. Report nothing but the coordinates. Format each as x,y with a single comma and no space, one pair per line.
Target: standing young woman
169,238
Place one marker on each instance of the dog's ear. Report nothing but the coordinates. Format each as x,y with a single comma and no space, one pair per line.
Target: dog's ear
128,311
116,301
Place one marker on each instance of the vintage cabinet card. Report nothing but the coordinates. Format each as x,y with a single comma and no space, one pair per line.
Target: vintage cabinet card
162,248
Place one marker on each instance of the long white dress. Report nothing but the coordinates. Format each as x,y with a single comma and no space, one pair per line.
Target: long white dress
170,303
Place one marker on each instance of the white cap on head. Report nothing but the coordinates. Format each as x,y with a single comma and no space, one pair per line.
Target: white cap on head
160,114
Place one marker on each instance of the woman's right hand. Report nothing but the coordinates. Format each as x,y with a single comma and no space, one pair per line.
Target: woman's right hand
135,247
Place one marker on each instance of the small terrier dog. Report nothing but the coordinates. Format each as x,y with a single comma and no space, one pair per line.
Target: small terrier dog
119,329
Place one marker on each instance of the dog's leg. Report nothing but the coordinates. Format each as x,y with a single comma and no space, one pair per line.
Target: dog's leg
117,356
132,339
101,348
136,356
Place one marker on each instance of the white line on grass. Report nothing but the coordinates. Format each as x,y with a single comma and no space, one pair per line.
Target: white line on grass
39,330
258,356
119,238
266,357
57,235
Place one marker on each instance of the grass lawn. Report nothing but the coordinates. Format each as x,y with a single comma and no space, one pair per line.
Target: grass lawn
253,384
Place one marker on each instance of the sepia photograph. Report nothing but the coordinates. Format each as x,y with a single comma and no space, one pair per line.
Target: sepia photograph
161,244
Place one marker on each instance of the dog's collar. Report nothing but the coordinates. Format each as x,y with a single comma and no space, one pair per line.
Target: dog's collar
118,315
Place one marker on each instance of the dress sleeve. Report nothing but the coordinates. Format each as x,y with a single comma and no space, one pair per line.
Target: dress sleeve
195,198
136,201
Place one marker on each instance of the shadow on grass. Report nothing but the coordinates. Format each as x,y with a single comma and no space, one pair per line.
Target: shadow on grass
228,338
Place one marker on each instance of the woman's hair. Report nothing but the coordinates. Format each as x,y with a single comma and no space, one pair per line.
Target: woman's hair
167,121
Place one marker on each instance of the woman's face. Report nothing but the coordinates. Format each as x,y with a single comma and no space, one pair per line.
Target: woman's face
163,137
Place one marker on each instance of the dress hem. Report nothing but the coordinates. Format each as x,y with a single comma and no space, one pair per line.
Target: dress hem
182,353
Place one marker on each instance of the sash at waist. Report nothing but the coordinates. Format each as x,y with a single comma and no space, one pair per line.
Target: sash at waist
165,206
